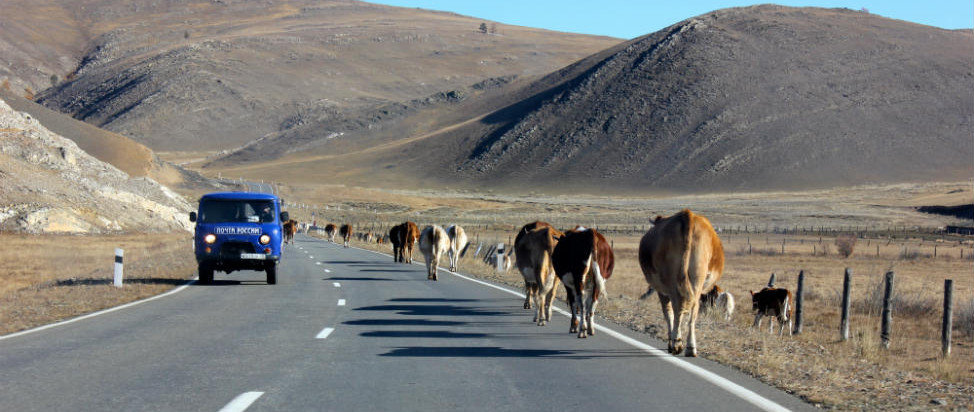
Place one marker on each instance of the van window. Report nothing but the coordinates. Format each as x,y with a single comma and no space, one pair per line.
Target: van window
236,211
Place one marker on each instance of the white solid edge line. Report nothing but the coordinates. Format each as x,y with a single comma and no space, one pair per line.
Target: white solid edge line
324,333
99,313
724,383
242,402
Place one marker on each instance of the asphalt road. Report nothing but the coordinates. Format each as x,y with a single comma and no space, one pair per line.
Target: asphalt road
350,330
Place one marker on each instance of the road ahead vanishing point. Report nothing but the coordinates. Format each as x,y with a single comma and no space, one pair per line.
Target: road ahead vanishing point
350,330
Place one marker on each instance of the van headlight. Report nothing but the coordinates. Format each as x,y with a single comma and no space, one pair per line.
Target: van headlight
265,239
209,239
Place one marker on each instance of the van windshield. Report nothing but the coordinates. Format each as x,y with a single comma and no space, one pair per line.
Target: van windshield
237,211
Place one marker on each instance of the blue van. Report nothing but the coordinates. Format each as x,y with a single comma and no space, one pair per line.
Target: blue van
237,231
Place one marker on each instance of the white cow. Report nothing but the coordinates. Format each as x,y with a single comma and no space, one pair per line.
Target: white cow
433,241
458,240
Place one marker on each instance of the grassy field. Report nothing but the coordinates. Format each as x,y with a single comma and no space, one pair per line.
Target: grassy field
47,278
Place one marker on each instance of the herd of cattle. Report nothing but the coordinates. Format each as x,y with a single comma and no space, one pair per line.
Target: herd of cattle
681,257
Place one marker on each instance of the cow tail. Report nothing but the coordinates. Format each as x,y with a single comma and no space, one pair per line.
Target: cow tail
599,280
688,247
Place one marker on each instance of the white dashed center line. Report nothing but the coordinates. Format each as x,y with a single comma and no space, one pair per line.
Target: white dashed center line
327,271
324,333
341,302
337,285
242,402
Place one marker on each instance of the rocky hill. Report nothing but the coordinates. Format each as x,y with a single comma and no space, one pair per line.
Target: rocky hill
755,98
49,185
214,75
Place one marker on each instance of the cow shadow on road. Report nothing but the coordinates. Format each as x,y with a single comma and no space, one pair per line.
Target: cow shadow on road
499,352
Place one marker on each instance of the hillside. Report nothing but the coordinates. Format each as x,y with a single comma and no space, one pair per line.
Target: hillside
209,75
49,185
754,98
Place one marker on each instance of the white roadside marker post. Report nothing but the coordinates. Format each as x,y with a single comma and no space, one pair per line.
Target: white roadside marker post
500,258
118,267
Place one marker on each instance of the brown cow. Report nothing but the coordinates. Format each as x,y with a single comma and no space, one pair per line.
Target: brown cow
330,230
531,261
773,302
346,231
403,237
290,228
534,246
583,260
681,257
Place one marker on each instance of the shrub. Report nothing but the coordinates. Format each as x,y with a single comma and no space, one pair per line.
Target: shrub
846,244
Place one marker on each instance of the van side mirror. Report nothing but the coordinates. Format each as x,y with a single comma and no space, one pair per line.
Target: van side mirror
284,217
192,216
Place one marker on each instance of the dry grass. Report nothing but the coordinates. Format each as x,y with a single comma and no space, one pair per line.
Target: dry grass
47,278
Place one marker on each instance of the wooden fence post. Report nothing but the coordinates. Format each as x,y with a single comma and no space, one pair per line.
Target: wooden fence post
948,322
846,302
887,311
799,299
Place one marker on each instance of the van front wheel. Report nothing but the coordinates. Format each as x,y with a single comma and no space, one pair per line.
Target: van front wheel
271,270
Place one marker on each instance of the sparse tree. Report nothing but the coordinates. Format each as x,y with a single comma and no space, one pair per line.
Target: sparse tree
483,28
493,28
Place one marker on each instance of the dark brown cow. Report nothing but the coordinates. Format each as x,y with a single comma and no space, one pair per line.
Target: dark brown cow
681,257
403,237
346,231
330,230
529,259
583,260
534,246
774,302
290,228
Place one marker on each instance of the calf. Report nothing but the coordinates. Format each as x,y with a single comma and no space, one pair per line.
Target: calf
774,302
433,242
719,300
583,261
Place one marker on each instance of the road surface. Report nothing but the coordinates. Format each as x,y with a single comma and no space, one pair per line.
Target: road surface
350,330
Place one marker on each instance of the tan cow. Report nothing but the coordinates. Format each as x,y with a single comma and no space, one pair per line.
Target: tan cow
583,261
458,241
775,303
533,248
346,231
681,257
433,242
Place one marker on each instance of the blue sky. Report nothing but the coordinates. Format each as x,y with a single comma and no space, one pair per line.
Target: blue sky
627,19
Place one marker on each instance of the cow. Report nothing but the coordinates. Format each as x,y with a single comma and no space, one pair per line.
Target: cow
533,247
403,237
529,264
681,257
433,242
583,261
290,228
719,300
330,230
346,231
458,241
773,302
